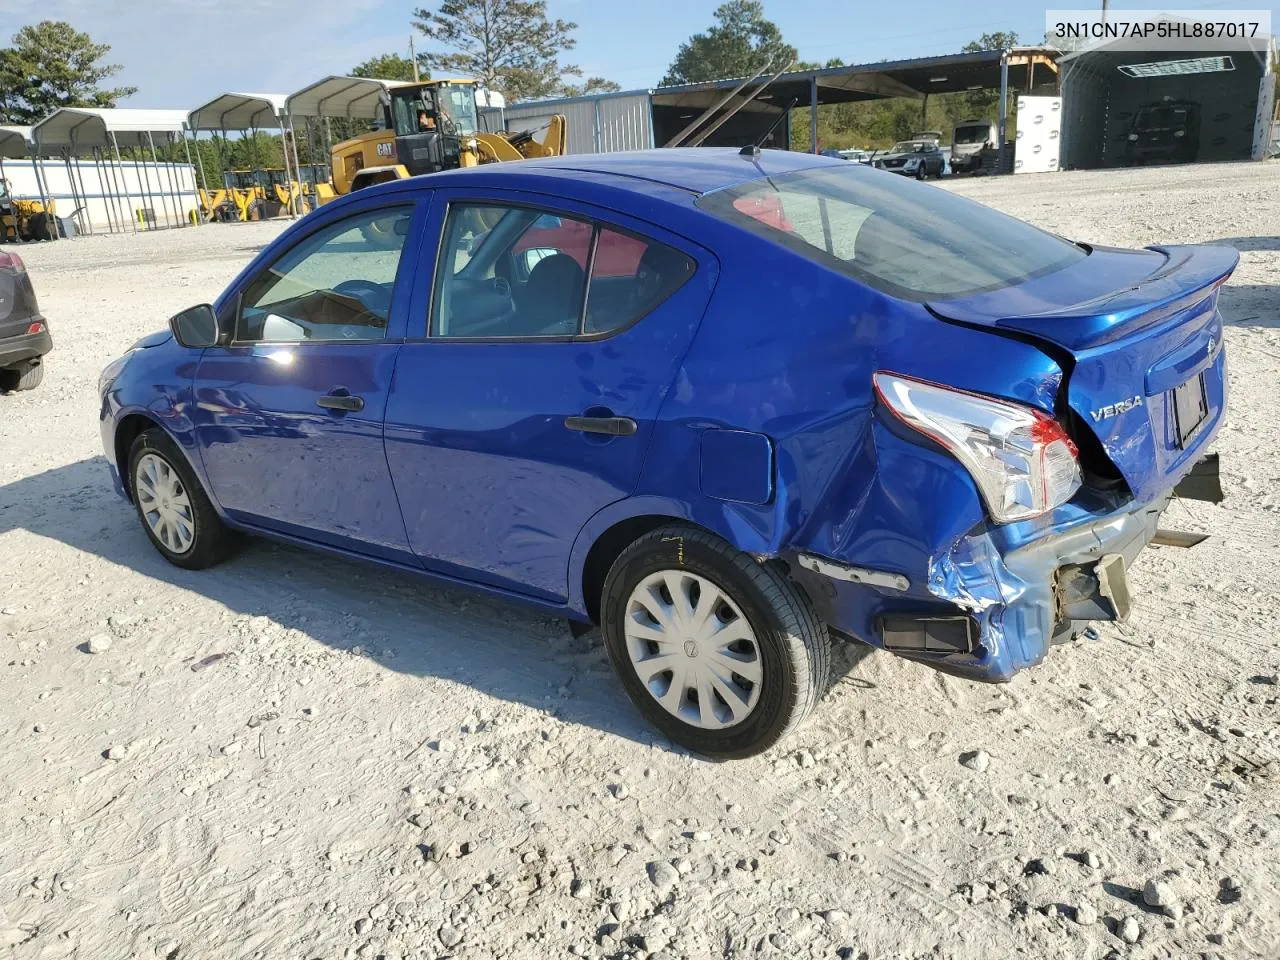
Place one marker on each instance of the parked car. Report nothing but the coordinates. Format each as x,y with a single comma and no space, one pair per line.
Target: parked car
913,158
968,140
822,402
1166,131
24,332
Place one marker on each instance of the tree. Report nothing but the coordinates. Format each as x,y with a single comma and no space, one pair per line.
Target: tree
592,85
508,45
389,66
741,42
52,65
991,41
984,103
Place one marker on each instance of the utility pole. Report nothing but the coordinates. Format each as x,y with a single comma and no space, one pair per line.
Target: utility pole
1105,5
413,55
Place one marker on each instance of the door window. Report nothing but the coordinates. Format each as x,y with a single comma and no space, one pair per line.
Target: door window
517,272
334,285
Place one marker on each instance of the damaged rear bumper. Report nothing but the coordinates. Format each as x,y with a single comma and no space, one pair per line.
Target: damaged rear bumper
996,601
1024,594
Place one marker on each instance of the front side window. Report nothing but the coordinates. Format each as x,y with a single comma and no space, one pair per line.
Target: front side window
519,272
906,239
334,285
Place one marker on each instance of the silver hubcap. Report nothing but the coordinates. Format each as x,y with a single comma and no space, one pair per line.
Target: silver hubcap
693,649
164,503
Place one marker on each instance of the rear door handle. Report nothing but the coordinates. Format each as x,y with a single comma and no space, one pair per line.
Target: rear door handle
340,401
611,426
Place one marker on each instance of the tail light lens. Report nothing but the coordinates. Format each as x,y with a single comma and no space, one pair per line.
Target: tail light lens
11,260
1022,461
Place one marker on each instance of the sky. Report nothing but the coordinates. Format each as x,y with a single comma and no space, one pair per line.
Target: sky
182,53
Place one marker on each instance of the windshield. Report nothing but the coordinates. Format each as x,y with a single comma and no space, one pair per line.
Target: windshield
910,146
1154,117
907,239
971,134
459,102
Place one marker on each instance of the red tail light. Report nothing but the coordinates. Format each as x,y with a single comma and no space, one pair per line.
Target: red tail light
35,327
11,260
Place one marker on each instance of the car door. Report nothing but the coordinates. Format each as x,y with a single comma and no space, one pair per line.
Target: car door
525,403
288,414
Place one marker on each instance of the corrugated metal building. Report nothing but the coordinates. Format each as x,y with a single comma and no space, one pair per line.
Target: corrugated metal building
1122,106
601,123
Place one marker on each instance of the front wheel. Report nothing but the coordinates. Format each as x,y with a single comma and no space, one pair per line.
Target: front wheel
175,512
718,651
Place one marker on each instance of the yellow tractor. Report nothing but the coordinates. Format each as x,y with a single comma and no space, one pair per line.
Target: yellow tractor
23,220
433,126
226,205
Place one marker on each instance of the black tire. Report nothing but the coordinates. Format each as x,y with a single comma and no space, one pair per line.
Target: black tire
25,377
794,646
212,541
40,227
922,172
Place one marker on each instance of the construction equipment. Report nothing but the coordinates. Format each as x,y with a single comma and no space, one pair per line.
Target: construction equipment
22,220
225,205
433,126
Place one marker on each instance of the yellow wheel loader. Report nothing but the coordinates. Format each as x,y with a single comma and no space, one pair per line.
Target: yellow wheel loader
23,220
434,126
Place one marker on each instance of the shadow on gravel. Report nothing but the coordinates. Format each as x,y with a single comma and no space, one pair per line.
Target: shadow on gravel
500,648
1250,305
1250,243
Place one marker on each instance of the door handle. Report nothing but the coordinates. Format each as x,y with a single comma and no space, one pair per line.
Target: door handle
340,401
611,426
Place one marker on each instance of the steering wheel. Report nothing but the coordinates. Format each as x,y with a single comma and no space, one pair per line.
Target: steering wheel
363,290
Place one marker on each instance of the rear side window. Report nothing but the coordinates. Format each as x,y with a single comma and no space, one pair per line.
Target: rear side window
510,272
907,239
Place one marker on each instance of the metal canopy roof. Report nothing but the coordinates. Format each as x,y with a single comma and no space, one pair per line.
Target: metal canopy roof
94,126
13,142
872,81
238,111
356,98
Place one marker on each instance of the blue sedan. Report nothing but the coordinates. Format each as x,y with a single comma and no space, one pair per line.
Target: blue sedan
726,405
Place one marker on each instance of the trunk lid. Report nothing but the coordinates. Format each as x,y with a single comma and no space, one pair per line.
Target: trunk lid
1141,337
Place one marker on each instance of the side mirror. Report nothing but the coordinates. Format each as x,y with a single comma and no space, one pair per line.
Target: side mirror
195,327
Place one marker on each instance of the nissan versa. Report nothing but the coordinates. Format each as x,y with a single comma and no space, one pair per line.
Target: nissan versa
727,405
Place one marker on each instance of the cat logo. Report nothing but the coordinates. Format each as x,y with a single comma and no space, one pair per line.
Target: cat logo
386,149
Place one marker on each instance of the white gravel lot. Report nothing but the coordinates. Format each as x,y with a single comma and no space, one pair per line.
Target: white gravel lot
320,759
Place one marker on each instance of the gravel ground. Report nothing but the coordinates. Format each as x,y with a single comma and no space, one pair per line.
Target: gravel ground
295,757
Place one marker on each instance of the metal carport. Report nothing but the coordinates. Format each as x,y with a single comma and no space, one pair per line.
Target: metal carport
244,111
70,132
1222,100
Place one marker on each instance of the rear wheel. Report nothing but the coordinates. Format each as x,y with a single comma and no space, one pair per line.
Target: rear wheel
718,651
27,376
174,509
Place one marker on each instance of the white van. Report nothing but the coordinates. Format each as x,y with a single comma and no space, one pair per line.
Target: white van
967,141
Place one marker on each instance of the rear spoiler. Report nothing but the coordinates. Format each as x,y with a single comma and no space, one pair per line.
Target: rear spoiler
1189,275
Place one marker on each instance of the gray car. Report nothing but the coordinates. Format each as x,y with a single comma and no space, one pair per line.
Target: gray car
914,158
24,334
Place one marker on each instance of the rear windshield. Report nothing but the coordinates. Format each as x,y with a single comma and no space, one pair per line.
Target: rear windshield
908,239
971,134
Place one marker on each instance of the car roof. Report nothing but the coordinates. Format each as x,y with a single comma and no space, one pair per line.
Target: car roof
696,170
